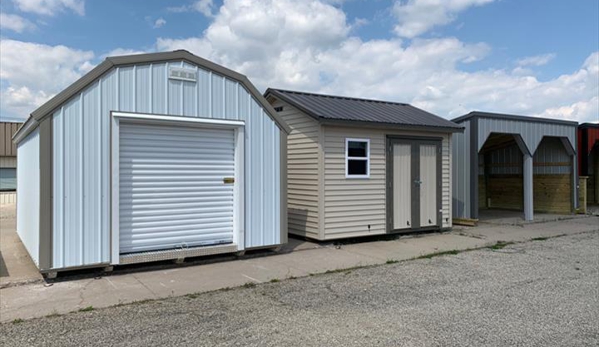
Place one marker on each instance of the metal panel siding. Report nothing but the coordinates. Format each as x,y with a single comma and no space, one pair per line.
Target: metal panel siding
28,196
159,88
532,133
218,96
551,150
143,89
127,88
352,204
461,173
82,154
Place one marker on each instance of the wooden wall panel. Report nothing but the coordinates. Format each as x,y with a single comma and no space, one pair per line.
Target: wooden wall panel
552,193
505,192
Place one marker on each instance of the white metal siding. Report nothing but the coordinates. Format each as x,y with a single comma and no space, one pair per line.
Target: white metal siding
353,204
302,171
81,205
172,193
402,186
28,193
428,185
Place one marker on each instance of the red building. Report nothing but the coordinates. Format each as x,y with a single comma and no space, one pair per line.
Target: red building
588,158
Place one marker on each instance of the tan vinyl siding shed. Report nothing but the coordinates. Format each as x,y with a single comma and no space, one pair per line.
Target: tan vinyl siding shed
323,202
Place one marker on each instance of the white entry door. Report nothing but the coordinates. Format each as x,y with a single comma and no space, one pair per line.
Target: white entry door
175,186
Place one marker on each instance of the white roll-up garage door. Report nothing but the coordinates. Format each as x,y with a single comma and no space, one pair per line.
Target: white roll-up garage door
172,190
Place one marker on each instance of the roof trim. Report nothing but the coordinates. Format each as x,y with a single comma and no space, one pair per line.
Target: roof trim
111,62
426,128
280,93
589,126
490,115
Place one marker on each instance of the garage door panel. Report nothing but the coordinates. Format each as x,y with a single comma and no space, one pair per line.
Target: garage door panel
172,193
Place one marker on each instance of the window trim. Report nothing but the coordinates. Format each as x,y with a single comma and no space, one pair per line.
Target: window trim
348,158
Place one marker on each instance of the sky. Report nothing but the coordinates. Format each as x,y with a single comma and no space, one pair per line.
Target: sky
449,57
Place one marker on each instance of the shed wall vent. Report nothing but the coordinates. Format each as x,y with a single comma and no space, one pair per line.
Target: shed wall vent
177,73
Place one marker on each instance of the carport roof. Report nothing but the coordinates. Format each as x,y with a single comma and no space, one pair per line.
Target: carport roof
340,109
503,116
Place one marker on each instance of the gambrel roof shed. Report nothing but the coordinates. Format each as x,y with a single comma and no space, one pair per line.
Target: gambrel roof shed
149,157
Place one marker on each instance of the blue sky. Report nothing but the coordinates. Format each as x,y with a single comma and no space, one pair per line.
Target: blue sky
533,57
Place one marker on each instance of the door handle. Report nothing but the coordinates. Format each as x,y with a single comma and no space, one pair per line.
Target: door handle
418,182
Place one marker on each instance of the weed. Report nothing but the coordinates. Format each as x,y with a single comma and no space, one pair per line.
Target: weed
17,321
291,277
500,245
540,239
86,309
53,314
192,295
391,261
249,285
275,280
438,254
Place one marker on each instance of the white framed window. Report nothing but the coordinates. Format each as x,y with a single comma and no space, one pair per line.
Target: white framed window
357,158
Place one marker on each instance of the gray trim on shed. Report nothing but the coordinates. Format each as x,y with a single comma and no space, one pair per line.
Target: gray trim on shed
491,115
111,62
46,192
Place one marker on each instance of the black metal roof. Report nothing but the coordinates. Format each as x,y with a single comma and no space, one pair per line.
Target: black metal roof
332,109
502,116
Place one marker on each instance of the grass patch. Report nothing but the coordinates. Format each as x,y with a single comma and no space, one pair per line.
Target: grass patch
540,239
275,280
53,314
249,285
438,254
391,261
86,309
500,245
192,295
17,321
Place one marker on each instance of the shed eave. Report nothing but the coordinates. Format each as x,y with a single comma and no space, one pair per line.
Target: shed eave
395,126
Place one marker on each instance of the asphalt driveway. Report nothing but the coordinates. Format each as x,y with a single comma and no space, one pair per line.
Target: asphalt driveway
539,293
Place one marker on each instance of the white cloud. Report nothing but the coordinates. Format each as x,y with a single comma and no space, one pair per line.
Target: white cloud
51,7
416,17
159,23
15,23
307,45
33,73
204,7
537,60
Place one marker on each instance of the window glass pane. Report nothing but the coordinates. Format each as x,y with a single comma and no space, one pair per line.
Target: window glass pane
357,149
8,178
357,167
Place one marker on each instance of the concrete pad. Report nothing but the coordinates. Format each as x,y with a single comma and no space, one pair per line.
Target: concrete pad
504,217
16,266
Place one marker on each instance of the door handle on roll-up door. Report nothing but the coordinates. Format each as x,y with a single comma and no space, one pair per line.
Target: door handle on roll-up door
229,180
418,182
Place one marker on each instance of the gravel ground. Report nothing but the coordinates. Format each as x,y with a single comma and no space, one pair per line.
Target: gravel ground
541,293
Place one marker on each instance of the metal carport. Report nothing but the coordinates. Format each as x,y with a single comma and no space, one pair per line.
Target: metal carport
524,163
